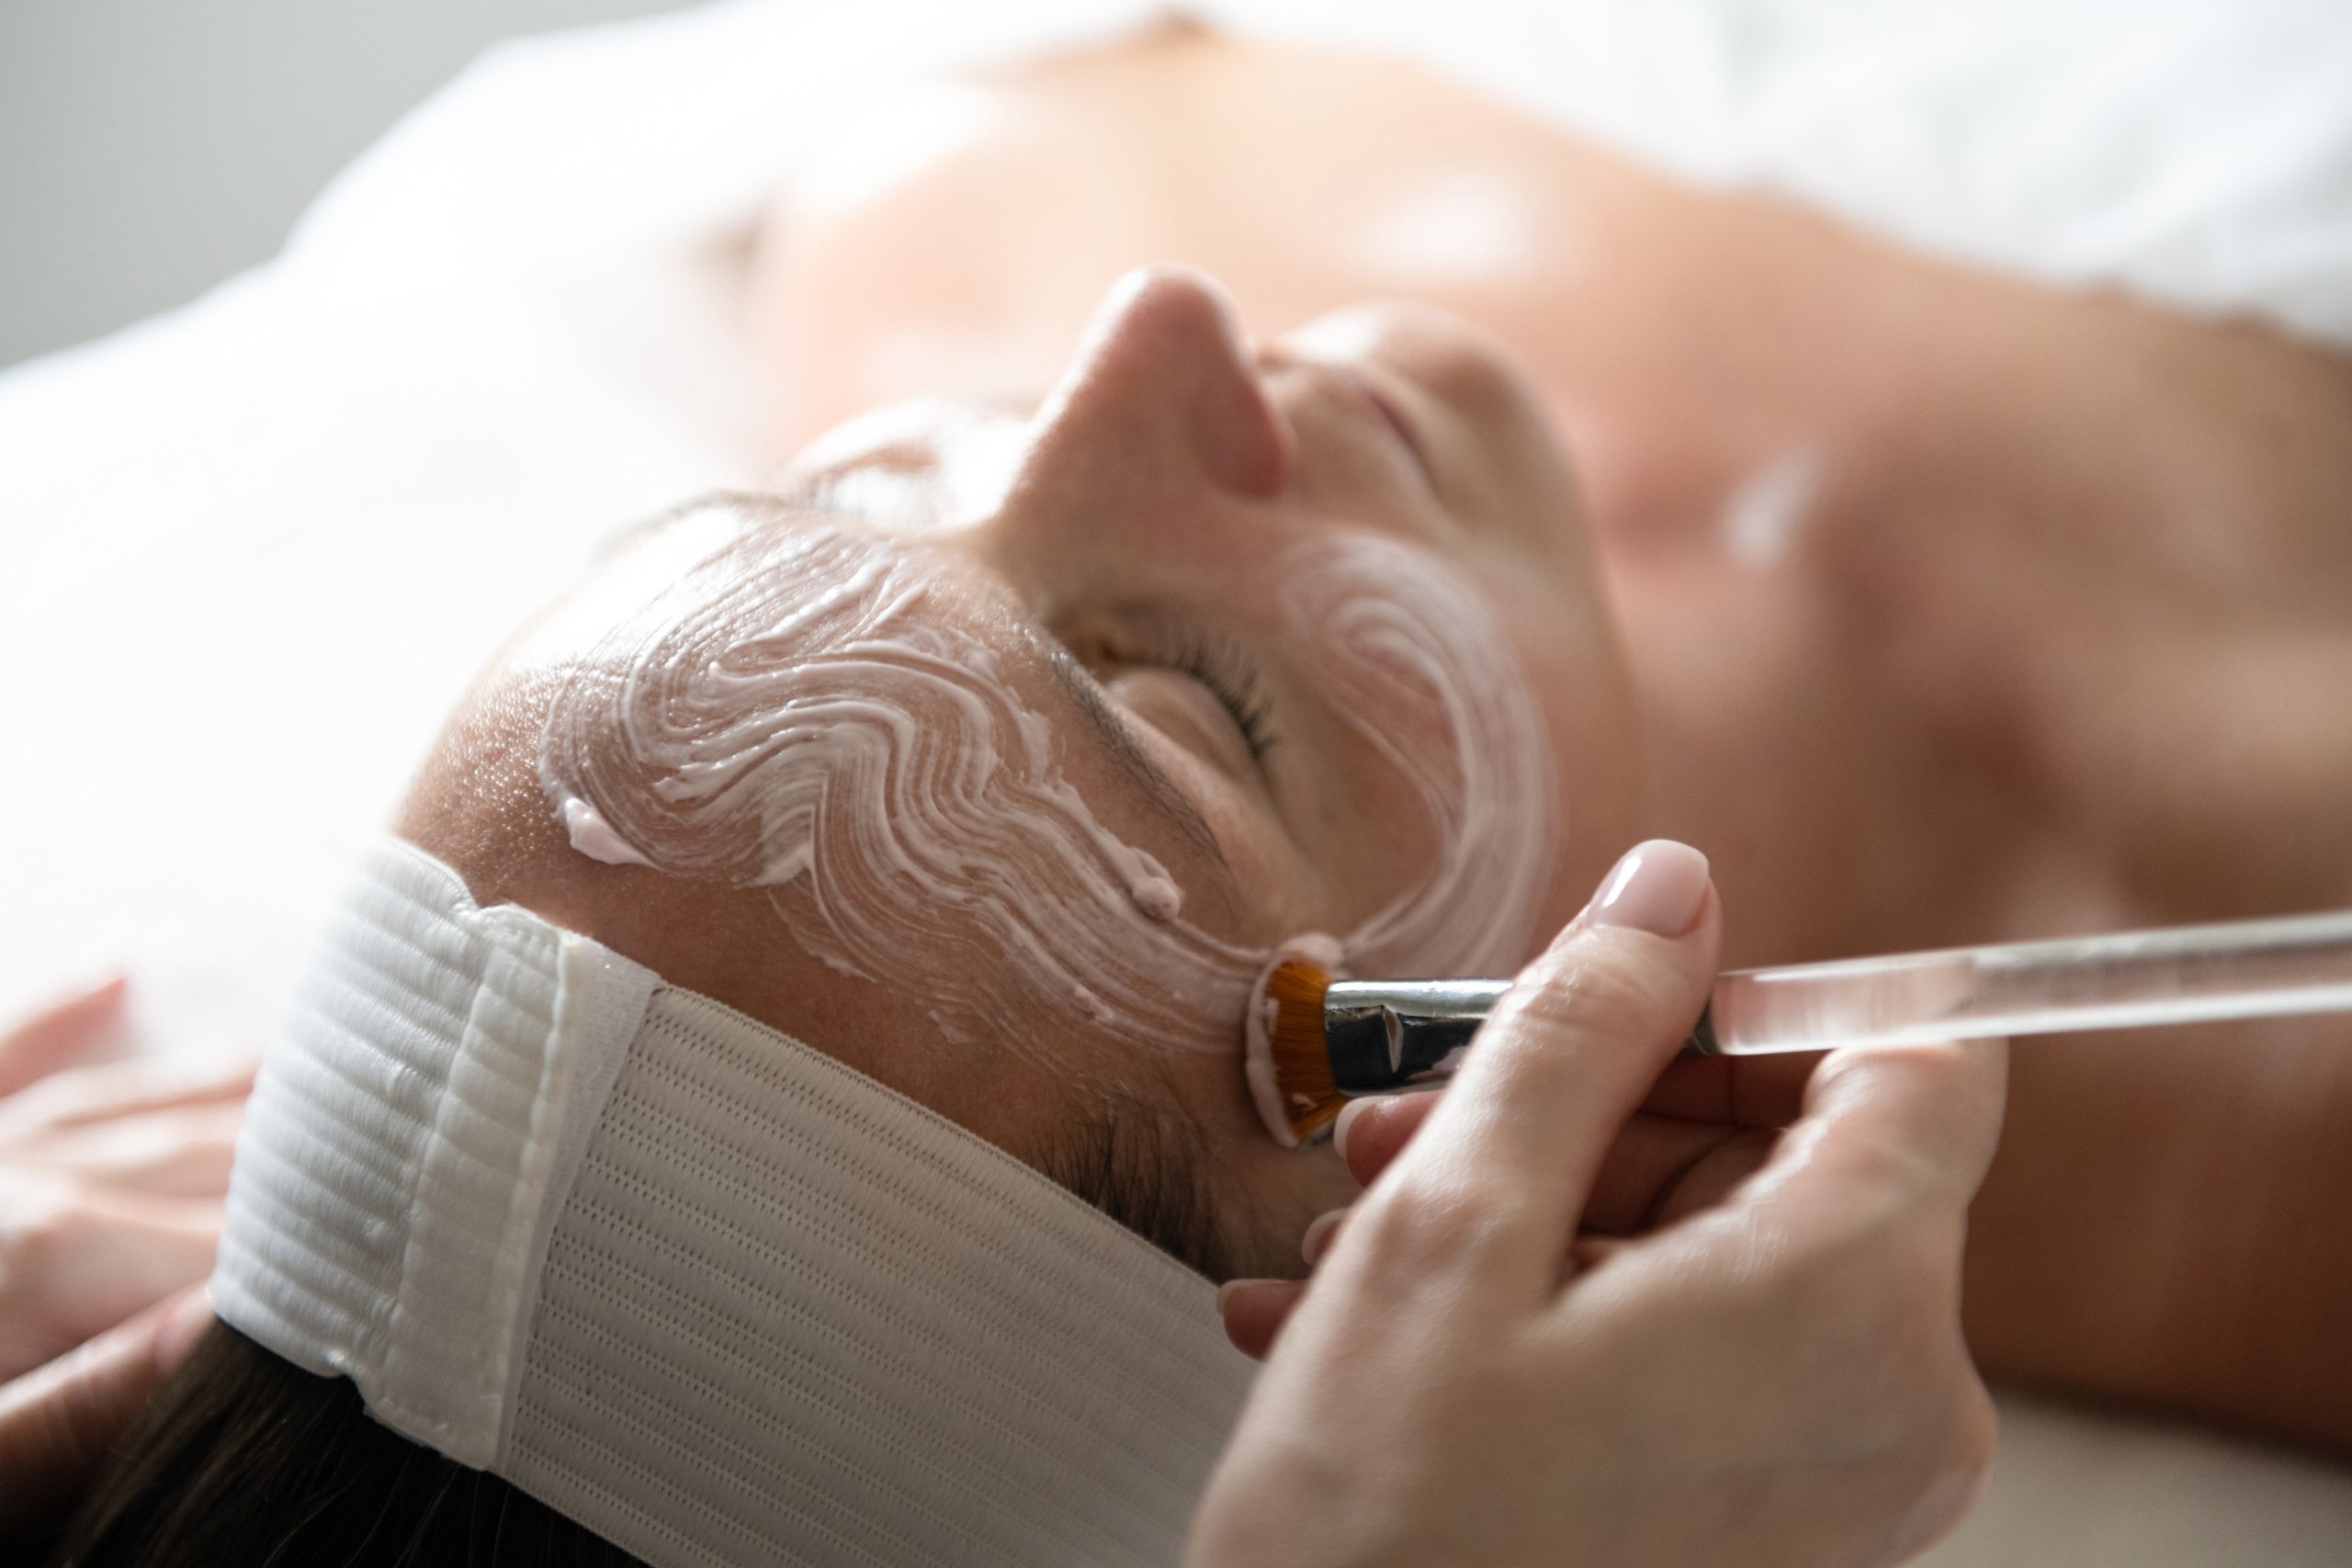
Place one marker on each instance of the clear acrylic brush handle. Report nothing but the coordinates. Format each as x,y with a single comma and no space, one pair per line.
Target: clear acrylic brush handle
2245,969
2240,969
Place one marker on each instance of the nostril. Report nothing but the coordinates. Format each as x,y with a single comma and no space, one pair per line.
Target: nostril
1247,446
1242,440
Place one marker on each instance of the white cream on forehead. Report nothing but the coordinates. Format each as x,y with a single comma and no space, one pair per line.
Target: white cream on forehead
798,711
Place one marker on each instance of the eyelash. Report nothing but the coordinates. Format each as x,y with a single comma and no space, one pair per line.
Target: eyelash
1228,674
1222,665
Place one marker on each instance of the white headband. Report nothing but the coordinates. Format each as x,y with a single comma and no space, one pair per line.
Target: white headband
688,1281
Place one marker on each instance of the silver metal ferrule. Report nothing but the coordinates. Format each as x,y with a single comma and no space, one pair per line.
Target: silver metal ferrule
1385,1035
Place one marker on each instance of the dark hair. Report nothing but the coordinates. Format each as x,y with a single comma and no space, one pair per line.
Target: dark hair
246,1459
1148,1167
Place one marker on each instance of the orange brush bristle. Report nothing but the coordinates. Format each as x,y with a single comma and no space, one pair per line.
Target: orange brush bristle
1302,1062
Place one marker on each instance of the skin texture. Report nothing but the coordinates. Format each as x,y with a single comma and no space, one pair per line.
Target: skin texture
1164,482
2046,630
1953,609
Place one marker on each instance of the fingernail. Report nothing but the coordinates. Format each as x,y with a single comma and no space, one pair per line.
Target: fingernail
1318,1239
1232,1288
1348,1114
1657,887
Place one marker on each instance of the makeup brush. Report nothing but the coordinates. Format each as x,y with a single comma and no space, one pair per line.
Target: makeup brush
1330,1040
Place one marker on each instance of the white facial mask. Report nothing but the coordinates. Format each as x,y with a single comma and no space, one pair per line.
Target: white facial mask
690,1282
805,709
801,711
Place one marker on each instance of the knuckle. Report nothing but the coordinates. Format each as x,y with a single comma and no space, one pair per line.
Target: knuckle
43,1265
1893,1288
1940,1113
1958,1466
29,1250
1598,985
1431,1226
1944,1475
44,1223
1892,1212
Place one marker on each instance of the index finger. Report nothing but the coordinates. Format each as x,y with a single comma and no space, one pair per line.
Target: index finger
1514,1145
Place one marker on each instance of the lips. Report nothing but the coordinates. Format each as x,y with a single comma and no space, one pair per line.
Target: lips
1357,385
1393,413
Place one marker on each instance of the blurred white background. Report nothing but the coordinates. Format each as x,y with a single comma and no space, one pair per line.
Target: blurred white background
151,148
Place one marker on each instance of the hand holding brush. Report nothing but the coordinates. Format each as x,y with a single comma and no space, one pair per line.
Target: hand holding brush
1777,1376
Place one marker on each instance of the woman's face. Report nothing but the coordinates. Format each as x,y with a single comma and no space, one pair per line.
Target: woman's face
1039,735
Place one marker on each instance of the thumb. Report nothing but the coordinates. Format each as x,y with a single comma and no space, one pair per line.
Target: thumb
60,1422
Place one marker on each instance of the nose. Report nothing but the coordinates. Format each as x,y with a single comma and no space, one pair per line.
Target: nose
1163,388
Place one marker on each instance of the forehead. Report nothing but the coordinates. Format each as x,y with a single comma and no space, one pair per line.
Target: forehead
836,590
753,579
868,728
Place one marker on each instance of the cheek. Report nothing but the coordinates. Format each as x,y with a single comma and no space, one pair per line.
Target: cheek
1368,834
1407,655
1274,1199
1265,1196
1581,683
1278,882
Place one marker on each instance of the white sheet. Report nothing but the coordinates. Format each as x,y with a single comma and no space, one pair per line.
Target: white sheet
253,548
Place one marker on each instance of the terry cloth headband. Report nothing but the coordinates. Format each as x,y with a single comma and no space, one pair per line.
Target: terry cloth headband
689,1281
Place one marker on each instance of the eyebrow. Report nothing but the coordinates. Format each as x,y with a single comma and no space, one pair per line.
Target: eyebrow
1161,793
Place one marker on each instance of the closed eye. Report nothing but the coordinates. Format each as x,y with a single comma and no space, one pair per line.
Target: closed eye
1226,669
1221,664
